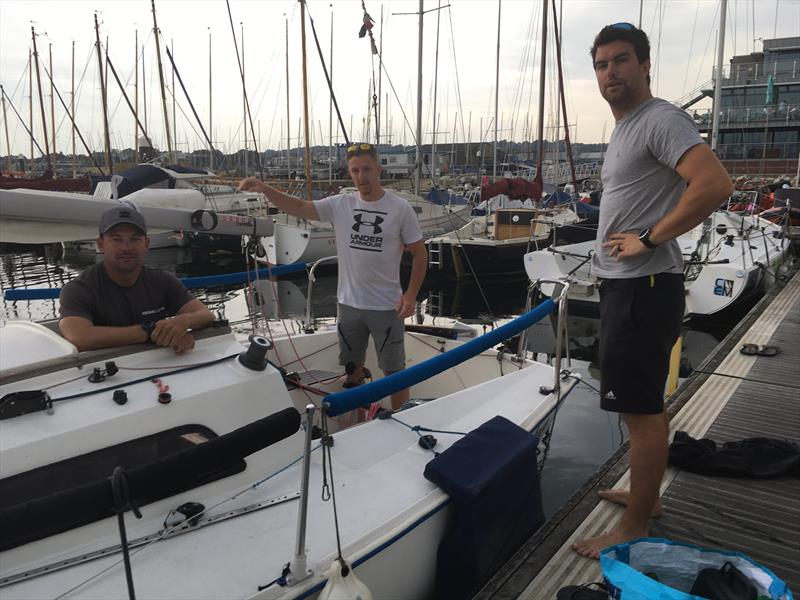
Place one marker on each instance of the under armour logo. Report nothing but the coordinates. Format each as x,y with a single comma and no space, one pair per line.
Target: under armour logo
359,222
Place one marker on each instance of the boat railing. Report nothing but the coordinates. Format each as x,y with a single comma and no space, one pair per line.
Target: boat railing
559,296
308,323
363,395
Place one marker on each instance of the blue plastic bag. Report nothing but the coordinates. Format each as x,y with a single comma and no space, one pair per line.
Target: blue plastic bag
676,566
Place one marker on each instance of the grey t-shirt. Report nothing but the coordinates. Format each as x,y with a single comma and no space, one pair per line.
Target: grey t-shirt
93,295
640,185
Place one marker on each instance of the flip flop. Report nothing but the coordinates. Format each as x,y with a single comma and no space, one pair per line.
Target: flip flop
759,350
583,592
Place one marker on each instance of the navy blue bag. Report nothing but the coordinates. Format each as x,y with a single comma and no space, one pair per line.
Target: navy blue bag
492,479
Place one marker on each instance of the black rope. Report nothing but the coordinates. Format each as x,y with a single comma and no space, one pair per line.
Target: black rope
148,378
751,379
122,501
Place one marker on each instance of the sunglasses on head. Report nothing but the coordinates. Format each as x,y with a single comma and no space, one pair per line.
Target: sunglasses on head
626,26
360,147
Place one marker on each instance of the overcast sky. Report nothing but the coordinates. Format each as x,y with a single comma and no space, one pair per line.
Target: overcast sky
682,33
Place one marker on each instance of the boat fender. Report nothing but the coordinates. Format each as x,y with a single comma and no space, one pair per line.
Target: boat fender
255,357
344,585
120,397
427,442
188,512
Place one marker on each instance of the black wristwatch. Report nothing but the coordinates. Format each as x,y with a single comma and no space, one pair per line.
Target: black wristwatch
644,237
148,327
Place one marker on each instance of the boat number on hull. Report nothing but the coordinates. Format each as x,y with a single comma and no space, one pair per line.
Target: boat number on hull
723,287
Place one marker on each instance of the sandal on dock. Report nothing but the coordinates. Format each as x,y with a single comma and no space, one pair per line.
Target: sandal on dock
759,350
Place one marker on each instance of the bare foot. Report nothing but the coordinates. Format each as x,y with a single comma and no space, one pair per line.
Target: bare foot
621,497
590,547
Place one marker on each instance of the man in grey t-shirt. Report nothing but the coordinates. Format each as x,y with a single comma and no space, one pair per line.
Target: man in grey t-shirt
659,181
119,301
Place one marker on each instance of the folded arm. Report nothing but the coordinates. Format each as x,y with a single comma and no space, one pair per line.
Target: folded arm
707,187
172,332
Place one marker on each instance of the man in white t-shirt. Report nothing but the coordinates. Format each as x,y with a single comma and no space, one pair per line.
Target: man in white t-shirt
373,227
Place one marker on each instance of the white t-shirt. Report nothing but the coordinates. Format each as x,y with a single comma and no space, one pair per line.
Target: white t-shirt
370,237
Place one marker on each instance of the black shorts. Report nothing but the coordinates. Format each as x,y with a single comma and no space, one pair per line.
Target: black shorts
640,321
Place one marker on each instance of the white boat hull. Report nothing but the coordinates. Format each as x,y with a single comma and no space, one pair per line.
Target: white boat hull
390,517
730,266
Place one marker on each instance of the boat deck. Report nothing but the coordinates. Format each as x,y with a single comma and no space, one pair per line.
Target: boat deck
730,397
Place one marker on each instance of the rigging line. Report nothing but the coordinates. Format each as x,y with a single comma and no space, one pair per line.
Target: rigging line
30,133
708,41
191,104
399,103
165,532
691,44
516,97
125,96
244,92
327,76
455,68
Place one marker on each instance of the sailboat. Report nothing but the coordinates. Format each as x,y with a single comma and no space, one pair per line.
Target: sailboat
214,451
726,259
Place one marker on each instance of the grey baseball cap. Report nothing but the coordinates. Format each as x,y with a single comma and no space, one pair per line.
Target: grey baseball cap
122,214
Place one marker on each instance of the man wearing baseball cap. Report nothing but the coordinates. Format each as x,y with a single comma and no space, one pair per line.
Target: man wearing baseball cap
119,301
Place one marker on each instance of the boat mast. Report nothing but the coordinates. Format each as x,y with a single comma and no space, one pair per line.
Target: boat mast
288,121
718,78
174,120
72,111
244,102
41,102
378,107
434,157
135,97
330,110
30,100
5,122
103,96
210,112
496,94
418,160
307,154
161,80
542,66
52,108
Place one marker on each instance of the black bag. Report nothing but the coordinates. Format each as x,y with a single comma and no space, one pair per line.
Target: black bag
725,583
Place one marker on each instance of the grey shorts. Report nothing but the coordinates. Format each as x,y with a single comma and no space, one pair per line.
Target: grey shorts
355,325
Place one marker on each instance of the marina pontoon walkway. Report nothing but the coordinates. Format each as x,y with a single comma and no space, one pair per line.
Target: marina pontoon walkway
730,397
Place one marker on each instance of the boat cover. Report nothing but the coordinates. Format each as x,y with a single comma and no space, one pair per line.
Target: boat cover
516,189
492,479
36,518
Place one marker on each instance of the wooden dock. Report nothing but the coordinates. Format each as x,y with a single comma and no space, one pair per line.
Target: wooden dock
729,397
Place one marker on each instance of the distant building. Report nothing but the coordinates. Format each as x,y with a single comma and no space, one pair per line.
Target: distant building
759,127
